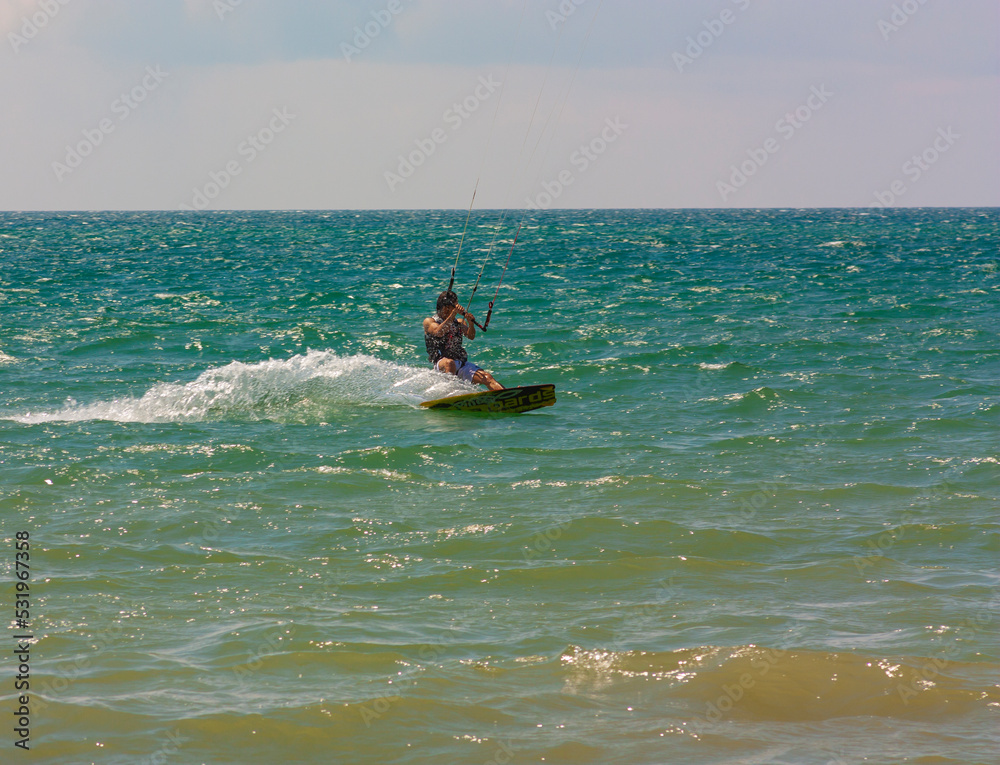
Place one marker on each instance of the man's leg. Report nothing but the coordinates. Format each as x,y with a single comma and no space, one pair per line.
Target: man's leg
482,377
448,366
479,377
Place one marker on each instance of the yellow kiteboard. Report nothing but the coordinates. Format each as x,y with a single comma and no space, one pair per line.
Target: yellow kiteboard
506,401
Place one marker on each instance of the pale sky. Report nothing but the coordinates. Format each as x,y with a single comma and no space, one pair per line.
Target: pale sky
404,104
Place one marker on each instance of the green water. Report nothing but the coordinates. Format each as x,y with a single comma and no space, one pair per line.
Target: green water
759,526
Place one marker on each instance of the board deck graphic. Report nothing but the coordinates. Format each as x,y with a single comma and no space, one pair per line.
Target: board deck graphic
507,401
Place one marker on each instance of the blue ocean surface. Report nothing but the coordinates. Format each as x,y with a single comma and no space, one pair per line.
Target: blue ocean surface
760,524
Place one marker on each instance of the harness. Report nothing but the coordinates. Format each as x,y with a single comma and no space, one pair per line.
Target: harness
447,345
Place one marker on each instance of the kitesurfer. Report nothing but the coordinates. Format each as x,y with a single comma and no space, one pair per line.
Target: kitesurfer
443,333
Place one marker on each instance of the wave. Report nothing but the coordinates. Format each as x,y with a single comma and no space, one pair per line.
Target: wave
304,388
754,682
701,689
730,366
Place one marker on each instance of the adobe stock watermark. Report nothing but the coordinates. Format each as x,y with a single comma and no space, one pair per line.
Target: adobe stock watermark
881,544
224,7
121,109
648,617
35,23
174,741
731,694
786,128
502,755
582,159
269,646
544,542
924,677
713,30
765,492
901,14
248,150
61,677
916,166
454,117
365,35
803,459
561,15
375,709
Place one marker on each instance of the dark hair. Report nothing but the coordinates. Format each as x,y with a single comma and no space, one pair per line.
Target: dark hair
445,299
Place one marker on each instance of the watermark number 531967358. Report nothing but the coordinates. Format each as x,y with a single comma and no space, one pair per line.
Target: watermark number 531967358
22,640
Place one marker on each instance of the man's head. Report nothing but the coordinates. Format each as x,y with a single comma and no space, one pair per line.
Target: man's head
446,301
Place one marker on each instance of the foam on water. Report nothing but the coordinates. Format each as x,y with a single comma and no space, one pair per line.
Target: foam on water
307,387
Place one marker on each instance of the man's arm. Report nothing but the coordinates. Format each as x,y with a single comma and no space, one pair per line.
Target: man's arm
432,327
469,325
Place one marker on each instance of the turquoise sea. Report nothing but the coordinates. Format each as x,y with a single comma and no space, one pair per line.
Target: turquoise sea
759,526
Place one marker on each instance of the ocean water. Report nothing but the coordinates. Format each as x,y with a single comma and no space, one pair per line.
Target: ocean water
759,526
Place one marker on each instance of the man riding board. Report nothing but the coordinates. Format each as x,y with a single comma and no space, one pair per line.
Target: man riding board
443,333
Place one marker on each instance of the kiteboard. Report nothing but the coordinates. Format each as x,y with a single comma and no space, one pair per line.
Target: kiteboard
506,401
